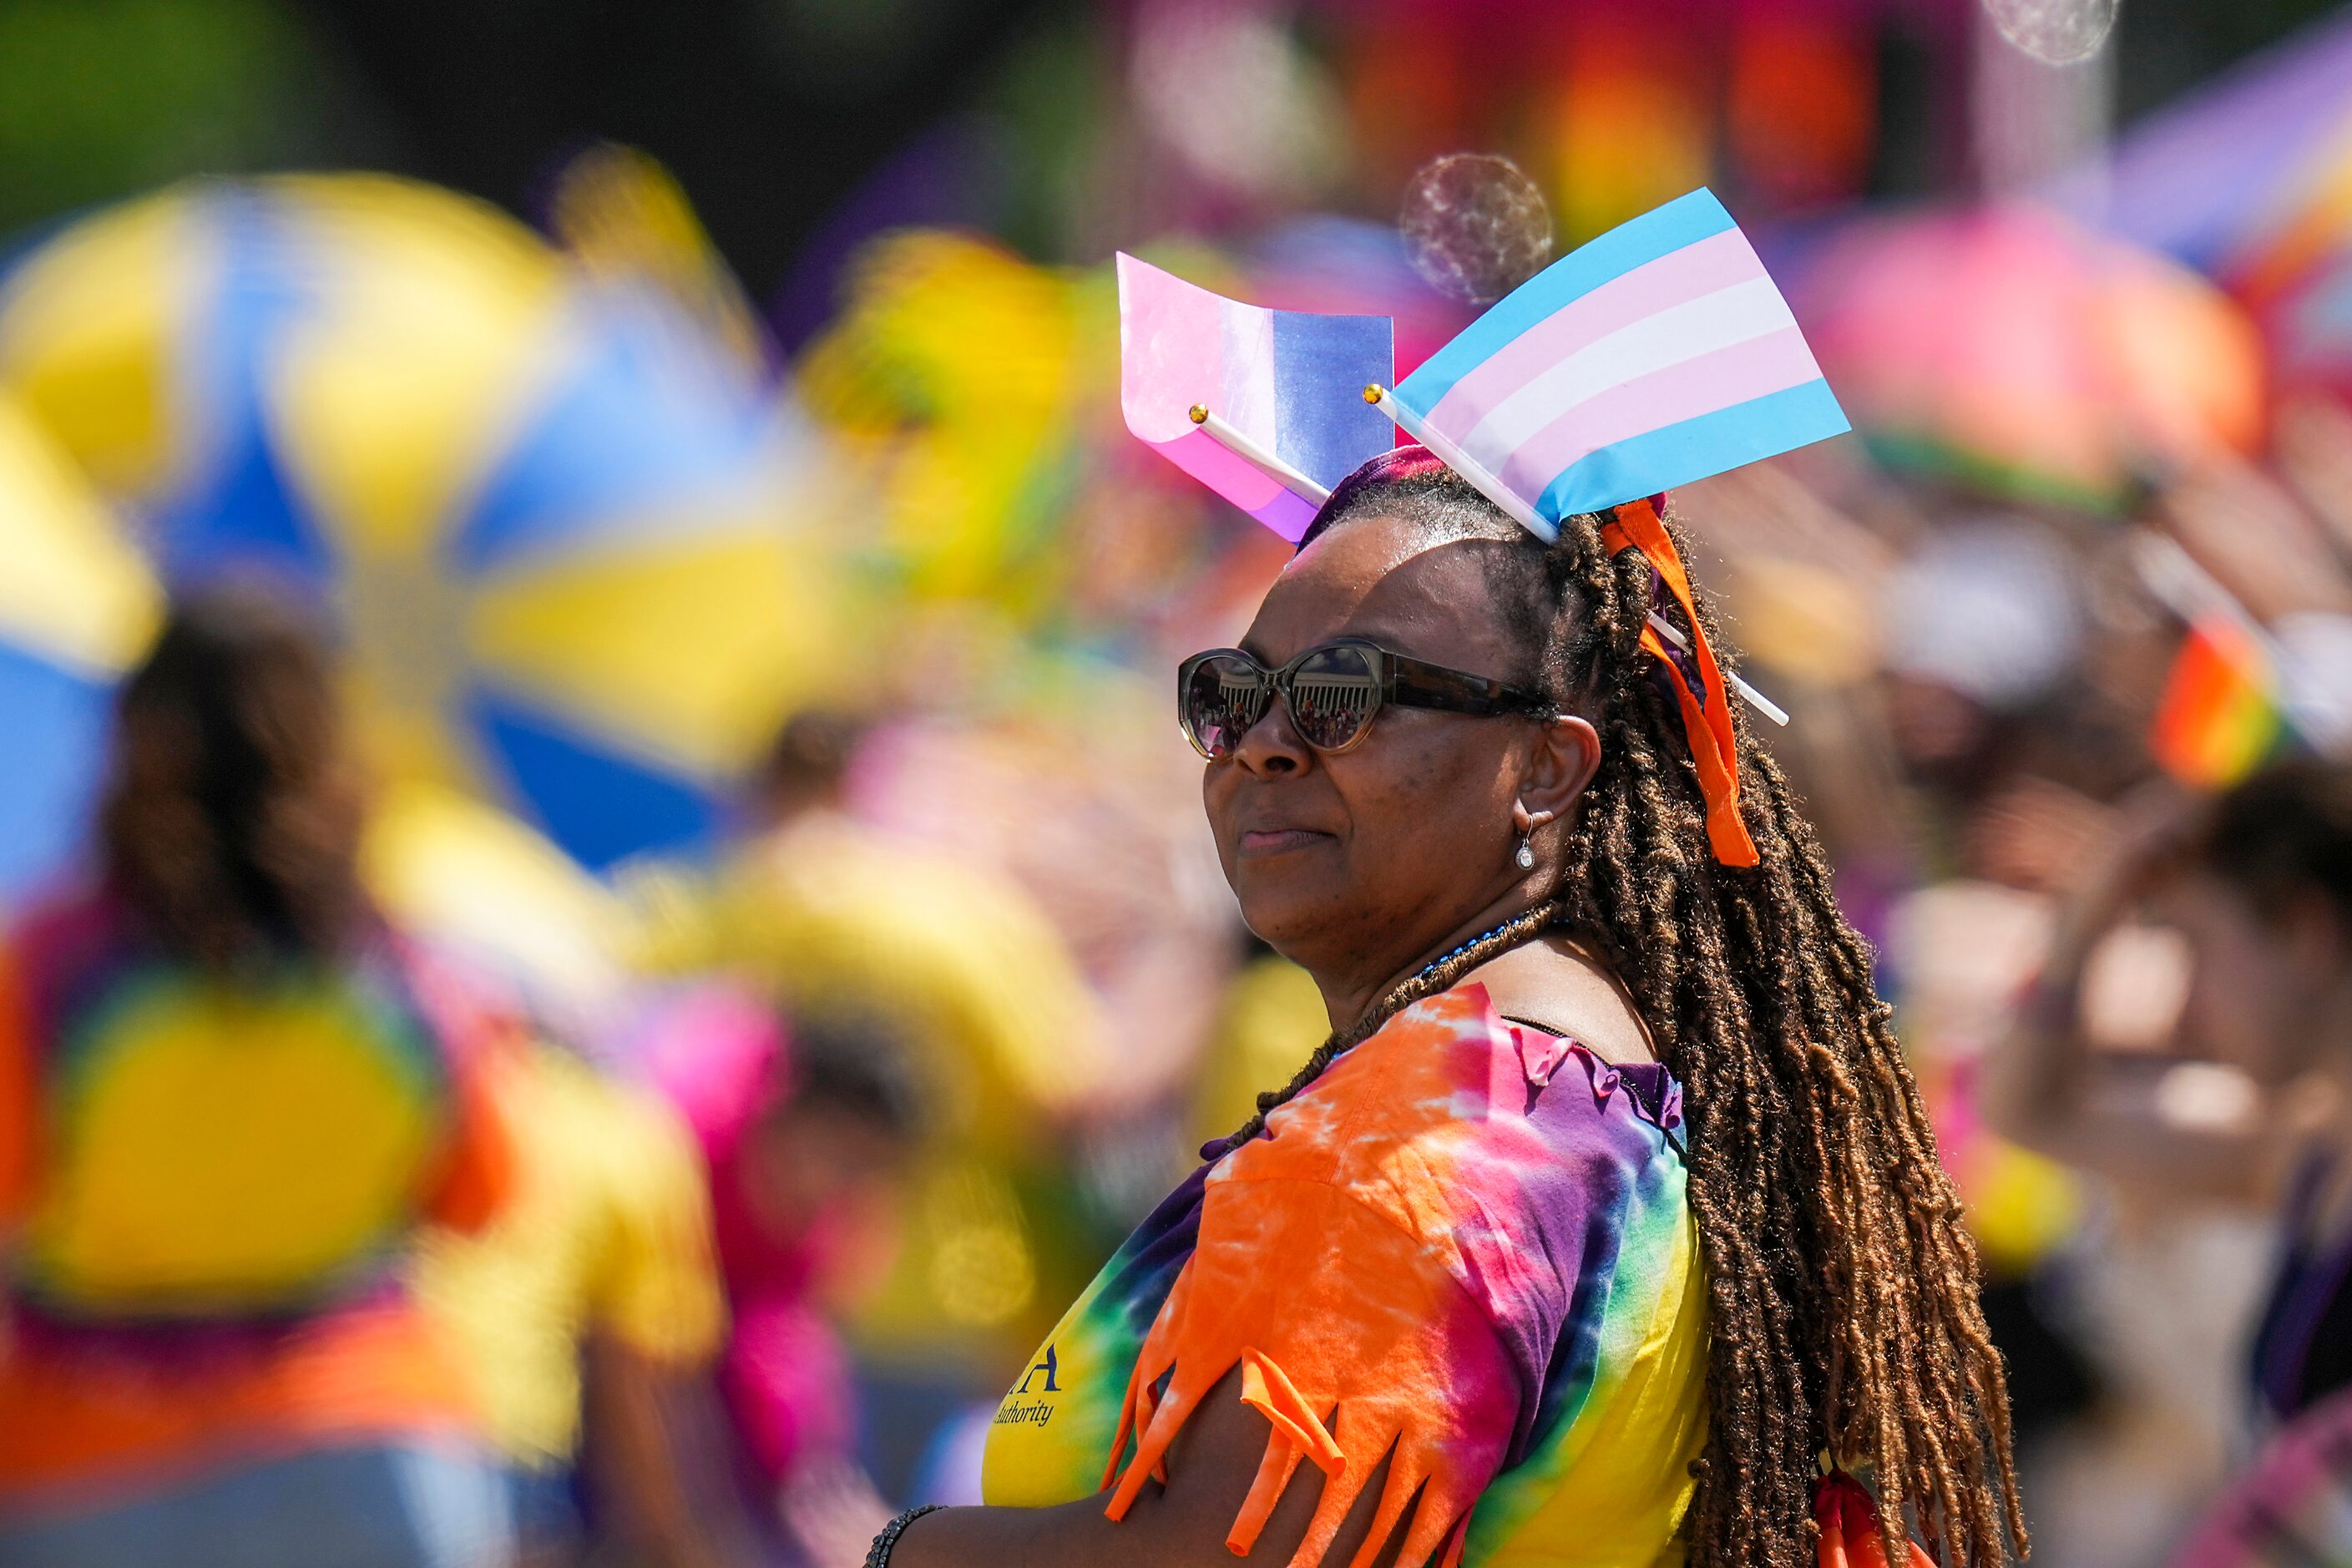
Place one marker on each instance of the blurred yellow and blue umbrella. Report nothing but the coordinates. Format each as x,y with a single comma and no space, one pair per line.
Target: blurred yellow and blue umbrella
471,879
76,607
551,517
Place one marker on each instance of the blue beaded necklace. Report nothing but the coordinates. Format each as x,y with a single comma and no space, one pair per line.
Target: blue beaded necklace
1434,964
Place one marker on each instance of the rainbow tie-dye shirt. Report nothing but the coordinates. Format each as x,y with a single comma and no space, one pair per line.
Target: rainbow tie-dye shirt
1466,1243
204,1151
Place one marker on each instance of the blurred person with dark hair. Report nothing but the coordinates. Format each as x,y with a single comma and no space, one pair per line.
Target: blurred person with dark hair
2252,1102
229,1094
806,768
807,1135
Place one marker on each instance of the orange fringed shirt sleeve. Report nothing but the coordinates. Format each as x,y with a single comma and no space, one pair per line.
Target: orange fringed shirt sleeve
1339,1264
1354,1341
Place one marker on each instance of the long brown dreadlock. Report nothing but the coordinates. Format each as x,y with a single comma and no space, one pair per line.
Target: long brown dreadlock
1842,1289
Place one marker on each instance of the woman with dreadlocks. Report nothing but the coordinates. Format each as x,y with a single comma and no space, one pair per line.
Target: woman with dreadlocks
1608,1217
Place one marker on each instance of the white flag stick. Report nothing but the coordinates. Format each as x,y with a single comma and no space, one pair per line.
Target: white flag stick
2187,589
1461,463
1756,700
1495,490
1230,436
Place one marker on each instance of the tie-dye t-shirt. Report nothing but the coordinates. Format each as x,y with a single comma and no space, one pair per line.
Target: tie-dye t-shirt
1467,1241
210,1149
207,1188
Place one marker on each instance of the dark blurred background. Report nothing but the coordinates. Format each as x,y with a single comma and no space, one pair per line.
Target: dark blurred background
773,112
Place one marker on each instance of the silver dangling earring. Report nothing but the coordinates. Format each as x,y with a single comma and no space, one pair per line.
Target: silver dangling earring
1527,855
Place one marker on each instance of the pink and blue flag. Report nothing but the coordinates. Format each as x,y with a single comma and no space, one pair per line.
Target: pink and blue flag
1290,381
1659,353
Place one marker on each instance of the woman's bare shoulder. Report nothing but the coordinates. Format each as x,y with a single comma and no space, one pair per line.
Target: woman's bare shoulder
1558,987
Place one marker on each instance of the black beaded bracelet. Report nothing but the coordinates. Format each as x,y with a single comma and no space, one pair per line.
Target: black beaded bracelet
879,1554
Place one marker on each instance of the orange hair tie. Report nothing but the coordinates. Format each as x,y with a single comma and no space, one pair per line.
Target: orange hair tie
1706,720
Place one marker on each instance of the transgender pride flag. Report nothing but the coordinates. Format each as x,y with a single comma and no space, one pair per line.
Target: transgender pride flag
1656,354
1290,381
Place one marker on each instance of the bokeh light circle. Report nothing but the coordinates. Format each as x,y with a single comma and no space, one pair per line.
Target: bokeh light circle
2056,32
1475,226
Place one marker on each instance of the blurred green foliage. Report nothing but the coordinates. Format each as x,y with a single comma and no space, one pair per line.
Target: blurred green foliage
102,97
1048,99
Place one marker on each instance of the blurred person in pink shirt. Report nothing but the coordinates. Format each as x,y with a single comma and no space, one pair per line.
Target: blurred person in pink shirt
807,1137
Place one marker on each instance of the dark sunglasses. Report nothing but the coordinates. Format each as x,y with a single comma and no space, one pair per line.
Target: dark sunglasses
1333,690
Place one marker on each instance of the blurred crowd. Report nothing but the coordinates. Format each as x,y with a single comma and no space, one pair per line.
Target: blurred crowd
607,920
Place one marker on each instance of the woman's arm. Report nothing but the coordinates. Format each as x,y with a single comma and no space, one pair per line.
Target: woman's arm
1181,1525
659,1458
2045,1086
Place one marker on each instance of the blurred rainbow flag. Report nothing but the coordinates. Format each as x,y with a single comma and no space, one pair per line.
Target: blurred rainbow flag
1291,381
2220,716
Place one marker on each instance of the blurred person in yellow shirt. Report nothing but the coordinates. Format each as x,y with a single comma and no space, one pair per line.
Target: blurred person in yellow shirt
1268,1007
825,913
603,1265
588,1316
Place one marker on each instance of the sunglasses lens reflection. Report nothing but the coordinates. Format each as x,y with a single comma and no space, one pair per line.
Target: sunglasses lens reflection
1332,696
1222,697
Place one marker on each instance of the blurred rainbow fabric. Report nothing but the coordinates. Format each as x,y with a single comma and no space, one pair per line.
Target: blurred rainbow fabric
2249,180
2219,717
171,1094
548,516
2056,364
1291,381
